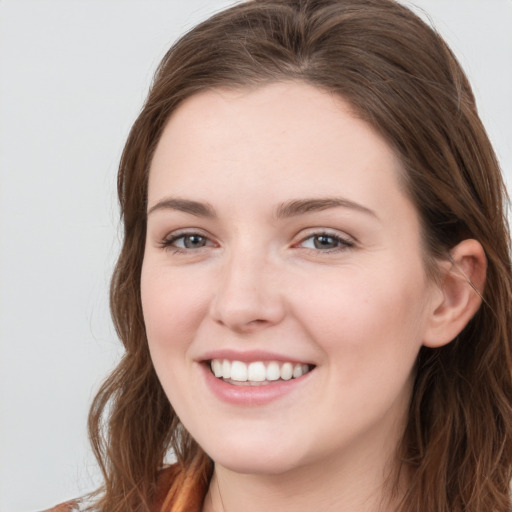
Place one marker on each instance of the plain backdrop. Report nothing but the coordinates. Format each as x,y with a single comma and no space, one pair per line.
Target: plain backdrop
73,76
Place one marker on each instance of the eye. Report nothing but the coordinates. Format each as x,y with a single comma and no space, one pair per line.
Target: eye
186,241
326,242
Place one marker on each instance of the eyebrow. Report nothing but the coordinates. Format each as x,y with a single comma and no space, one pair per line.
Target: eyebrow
284,210
301,206
184,205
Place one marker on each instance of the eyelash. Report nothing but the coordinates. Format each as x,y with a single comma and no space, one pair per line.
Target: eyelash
342,243
167,243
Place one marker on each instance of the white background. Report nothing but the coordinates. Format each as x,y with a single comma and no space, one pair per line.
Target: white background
73,75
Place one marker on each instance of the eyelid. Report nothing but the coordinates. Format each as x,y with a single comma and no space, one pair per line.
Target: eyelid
167,241
346,241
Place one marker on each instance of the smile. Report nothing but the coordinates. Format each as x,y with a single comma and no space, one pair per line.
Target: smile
256,373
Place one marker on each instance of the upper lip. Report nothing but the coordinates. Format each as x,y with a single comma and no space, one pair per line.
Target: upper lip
249,356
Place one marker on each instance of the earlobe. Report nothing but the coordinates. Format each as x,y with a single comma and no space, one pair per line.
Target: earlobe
461,287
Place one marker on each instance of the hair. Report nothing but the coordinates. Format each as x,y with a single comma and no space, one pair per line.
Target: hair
399,76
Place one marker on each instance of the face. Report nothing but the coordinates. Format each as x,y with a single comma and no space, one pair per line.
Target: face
283,285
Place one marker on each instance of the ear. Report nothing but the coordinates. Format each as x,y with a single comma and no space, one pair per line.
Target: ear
461,287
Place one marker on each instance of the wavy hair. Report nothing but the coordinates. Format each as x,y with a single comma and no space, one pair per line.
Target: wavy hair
399,76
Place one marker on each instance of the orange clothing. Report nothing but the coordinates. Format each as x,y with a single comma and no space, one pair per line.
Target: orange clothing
165,500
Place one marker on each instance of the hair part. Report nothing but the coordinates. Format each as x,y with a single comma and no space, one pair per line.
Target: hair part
399,76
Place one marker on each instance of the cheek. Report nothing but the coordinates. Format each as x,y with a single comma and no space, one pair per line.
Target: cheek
173,308
375,321
172,305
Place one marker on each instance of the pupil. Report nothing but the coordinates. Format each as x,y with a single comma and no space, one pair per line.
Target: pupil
325,242
193,241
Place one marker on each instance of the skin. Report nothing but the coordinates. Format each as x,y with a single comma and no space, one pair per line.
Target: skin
359,310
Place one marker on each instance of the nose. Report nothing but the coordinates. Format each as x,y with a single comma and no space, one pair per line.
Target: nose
248,297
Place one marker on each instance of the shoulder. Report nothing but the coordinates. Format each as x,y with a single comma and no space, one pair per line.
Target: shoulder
172,481
166,477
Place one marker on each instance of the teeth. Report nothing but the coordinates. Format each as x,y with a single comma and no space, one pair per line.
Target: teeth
297,371
238,371
286,371
226,369
257,371
217,368
273,371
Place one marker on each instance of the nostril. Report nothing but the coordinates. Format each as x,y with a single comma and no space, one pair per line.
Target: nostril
256,322
244,304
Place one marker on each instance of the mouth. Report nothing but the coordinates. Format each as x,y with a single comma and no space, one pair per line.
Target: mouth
257,373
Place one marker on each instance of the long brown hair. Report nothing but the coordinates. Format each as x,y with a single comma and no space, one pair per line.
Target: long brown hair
399,76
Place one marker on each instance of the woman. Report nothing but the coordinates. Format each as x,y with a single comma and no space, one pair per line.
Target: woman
314,285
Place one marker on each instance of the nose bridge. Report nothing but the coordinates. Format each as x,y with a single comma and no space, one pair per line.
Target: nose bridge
248,294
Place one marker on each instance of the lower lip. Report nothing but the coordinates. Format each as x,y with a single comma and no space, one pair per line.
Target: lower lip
251,395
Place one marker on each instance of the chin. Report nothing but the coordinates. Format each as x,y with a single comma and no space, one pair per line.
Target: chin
262,466
255,458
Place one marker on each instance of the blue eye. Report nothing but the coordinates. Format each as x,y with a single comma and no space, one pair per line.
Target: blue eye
186,241
326,242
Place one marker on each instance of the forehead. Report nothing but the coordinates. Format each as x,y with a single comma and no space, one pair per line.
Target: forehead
285,129
271,144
